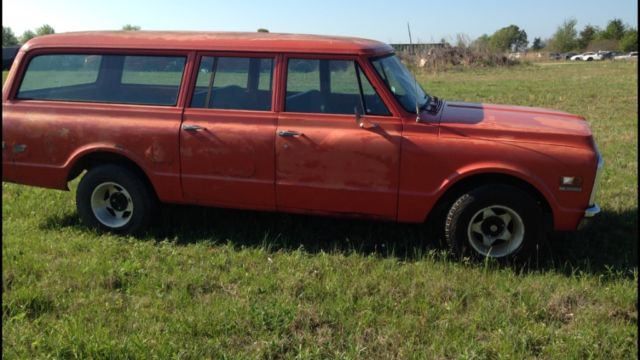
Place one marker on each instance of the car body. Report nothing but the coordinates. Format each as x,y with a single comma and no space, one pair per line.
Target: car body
633,55
588,56
280,122
568,55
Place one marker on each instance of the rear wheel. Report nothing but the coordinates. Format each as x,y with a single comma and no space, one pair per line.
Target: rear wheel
116,199
497,221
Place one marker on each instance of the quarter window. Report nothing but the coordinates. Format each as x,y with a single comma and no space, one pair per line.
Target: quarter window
144,80
330,86
234,83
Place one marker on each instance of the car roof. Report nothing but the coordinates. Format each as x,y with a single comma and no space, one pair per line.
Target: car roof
223,41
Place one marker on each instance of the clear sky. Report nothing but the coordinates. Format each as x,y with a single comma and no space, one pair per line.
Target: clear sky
384,20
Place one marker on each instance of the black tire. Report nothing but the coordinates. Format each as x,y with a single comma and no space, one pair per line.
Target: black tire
500,199
137,193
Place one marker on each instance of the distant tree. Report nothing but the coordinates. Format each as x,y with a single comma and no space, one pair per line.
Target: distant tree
565,37
537,44
263,30
26,36
45,29
615,30
482,42
603,44
8,37
130,27
629,41
462,41
509,38
587,35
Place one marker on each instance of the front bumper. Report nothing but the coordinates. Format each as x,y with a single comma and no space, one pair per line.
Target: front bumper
593,208
589,214
592,211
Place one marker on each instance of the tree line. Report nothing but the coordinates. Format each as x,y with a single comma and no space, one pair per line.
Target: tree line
615,36
10,39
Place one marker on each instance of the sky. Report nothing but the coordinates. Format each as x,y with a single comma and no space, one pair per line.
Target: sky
383,20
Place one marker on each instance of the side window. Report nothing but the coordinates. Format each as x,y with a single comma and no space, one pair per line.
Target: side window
49,72
233,83
330,86
152,70
144,80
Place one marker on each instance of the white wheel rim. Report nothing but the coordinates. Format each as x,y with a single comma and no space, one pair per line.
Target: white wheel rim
496,231
112,205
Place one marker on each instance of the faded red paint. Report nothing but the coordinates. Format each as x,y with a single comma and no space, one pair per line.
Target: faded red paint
395,171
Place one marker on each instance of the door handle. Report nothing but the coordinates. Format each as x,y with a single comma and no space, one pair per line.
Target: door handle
289,133
193,127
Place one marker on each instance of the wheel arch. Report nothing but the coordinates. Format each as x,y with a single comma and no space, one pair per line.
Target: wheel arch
90,159
454,189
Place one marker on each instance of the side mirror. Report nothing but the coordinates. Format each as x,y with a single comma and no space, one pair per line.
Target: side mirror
359,119
361,122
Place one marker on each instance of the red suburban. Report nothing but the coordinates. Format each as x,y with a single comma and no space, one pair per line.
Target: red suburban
280,122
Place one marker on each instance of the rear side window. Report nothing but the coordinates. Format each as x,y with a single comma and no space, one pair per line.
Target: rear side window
330,86
234,83
144,80
59,71
152,70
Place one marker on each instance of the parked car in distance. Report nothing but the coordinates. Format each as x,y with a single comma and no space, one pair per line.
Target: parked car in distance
568,55
588,56
629,56
606,54
294,123
555,56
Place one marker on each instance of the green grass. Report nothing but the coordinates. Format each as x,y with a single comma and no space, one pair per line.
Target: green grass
209,283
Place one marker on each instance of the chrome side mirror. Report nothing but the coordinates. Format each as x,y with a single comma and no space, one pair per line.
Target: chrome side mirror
361,122
359,119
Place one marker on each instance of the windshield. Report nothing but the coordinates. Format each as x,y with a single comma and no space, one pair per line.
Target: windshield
401,82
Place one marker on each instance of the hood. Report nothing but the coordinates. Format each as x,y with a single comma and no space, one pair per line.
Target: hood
519,123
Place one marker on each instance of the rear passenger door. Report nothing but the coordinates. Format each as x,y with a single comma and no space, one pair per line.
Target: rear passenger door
228,130
325,162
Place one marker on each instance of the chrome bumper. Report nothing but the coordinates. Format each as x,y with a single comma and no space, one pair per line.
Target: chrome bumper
596,182
593,208
592,211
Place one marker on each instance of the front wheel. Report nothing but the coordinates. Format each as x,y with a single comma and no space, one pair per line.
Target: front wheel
114,198
497,221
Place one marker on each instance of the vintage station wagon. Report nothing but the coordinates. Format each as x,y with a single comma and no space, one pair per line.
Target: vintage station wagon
280,122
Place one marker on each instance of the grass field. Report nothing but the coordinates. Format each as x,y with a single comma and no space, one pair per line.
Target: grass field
210,283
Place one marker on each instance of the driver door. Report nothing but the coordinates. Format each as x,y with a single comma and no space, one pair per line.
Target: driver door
325,161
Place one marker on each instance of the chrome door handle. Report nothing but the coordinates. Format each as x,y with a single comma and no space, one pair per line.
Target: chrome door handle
289,133
193,127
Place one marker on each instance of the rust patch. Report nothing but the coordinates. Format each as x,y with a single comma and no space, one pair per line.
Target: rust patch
187,152
155,153
64,133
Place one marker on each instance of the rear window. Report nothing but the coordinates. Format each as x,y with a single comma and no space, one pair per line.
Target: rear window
144,80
